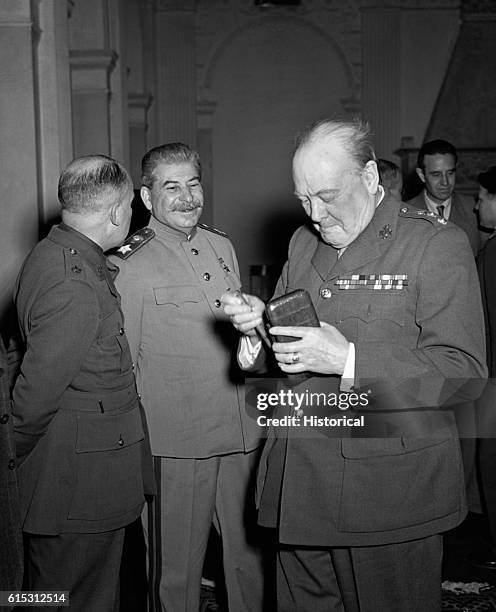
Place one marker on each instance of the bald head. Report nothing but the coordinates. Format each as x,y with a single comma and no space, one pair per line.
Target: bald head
351,137
89,184
336,179
95,193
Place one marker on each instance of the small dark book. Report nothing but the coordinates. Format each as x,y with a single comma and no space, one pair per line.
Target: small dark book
294,309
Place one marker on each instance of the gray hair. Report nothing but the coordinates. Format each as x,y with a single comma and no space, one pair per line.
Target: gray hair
87,182
354,136
171,153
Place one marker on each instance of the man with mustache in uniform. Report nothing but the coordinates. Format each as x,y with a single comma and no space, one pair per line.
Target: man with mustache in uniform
173,273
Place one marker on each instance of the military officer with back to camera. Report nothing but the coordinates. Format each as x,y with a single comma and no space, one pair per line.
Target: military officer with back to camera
359,520
173,273
84,462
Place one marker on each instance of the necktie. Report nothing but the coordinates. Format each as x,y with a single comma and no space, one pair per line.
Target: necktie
440,211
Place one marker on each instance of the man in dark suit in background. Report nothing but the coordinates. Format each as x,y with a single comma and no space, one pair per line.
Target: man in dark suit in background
486,264
84,461
10,526
359,518
436,168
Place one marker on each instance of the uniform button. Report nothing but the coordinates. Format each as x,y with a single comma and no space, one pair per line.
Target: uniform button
120,442
325,293
132,366
4,418
206,276
194,251
73,251
139,396
121,331
11,464
76,269
217,303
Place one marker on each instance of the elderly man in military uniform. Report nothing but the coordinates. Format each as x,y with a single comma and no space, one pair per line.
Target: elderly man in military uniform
172,275
359,518
79,429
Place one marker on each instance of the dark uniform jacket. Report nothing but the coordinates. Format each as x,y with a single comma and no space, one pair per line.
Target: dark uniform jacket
10,524
486,265
462,214
80,433
347,491
182,343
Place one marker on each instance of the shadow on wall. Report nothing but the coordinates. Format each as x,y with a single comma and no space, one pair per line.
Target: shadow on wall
412,185
141,214
272,241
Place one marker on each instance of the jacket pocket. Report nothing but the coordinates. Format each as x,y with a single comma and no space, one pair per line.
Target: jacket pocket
369,306
176,296
384,492
108,465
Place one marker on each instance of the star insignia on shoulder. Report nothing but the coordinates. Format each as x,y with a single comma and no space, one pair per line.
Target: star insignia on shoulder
133,243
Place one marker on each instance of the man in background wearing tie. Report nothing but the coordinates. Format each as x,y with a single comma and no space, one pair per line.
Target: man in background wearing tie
436,168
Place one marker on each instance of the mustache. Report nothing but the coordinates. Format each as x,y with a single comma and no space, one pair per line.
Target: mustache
185,207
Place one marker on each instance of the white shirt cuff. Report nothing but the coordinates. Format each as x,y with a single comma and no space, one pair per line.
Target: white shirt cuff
348,377
247,352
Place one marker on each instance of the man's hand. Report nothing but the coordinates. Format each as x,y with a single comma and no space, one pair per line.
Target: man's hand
317,349
244,316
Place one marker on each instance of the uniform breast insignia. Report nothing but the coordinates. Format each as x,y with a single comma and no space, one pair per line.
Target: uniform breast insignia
134,242
224,266
230,276
375,282
385,232
212,229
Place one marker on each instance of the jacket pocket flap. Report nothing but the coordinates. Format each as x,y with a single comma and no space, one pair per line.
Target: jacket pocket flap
360,448
104,432
377,306
176,295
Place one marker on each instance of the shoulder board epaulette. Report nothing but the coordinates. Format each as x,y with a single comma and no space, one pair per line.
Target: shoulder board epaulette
212,229
407,211
134,242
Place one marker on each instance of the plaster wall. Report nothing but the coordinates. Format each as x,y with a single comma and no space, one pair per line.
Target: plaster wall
427,41
262,102
19,193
